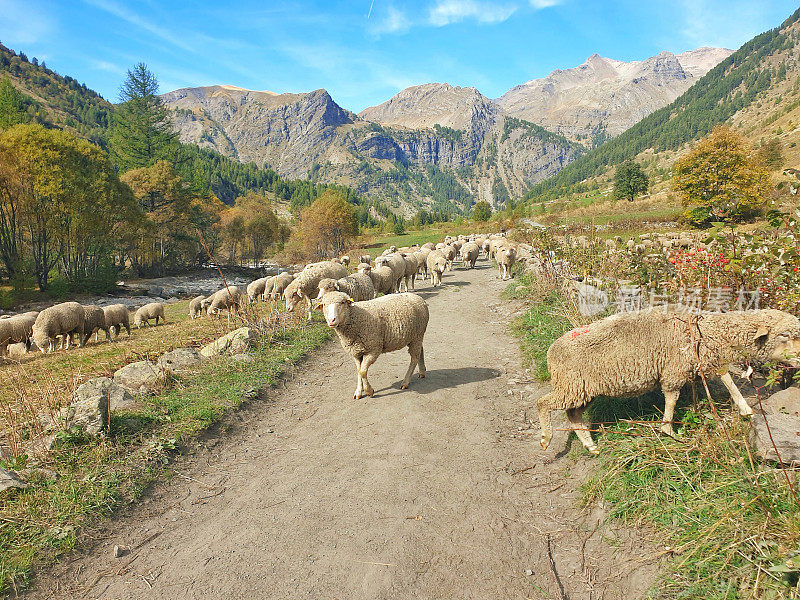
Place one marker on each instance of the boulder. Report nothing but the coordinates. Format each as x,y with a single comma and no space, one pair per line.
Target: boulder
139,377
179,360
155,290
236,342
118,396
785,402
90,406
785,430
10,482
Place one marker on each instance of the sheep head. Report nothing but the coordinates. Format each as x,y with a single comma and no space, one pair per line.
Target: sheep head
326,285
779,338
336,308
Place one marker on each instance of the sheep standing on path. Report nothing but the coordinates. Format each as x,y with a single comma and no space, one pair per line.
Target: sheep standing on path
382,277
63,319
436,266
506,257
469,254
154,310
358,286
397,264
629,354
304,286
117,317
368,329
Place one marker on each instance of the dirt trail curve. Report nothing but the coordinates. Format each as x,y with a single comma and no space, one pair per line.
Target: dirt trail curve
433,492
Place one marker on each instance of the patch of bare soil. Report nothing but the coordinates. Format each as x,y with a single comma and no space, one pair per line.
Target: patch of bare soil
438,491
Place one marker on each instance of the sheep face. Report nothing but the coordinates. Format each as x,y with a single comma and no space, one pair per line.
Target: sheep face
293,300
781,341
336,308
325,286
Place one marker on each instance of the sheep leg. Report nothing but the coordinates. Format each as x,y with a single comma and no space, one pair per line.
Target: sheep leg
670,400
366,363
414,352
543,407
422,369
358,392
575,417
736,395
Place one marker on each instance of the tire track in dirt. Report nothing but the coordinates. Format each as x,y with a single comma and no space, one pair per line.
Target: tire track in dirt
438,491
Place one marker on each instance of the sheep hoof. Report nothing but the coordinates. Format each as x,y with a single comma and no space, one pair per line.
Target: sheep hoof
594,450
747,413
403,386
545,443
667,430
422,375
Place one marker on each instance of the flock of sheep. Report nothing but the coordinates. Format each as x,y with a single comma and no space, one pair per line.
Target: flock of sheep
374,310
59,325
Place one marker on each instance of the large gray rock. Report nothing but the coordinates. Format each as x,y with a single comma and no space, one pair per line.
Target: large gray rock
179,360
118,396
10,482
785,402
90,406
785,432
139,377
236,342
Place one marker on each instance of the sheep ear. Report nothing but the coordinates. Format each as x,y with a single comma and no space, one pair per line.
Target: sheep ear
761,335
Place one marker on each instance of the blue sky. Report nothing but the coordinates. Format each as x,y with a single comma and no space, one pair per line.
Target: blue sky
364,51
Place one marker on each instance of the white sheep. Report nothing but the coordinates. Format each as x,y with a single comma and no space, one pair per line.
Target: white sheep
397,264
63,319
228,298
469,254
117,316
368,329
436,267
304,286
629,354
196,307
94,319
282,280
412,266
506,257
255,289
154,310
382,277
358,286
16,329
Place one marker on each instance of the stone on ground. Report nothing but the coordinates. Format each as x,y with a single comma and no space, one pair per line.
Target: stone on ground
785,432
236,342
139,377
179,360
10,482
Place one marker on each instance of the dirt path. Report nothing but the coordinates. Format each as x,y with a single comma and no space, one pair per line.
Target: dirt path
433,492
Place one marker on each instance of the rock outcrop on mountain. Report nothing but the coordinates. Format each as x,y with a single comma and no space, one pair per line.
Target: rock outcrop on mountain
290,132
437,145
605,95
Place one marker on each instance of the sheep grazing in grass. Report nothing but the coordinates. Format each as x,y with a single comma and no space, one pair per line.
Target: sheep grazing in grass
281,281
196,307
397,264
94,319
358,286
629,354
228,298
17,329
255,290
436,267
382,278
368,329
506,257
469,254
304,286
63,320
117,317
154,310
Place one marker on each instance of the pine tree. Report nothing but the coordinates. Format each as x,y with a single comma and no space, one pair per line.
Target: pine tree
141,132
12,106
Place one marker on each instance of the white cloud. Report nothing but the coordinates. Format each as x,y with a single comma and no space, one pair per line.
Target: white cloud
394,21
539,4
136,20
104,65
445,12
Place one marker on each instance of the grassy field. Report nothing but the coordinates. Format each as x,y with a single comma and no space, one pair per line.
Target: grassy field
94,476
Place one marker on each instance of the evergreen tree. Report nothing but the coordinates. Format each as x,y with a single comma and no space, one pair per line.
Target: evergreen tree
482,211
12,106
630,180
141,132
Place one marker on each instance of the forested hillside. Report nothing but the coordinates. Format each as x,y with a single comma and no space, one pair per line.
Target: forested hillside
731,86
61,101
